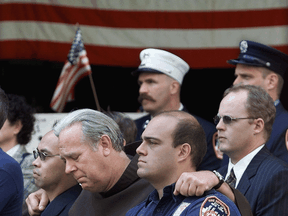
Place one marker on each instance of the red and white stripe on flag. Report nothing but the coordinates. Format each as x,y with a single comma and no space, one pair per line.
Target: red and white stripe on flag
69,77
204,33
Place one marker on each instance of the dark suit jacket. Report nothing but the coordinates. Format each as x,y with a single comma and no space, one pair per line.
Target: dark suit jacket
276,143
210,161
265,184
61,205
25,160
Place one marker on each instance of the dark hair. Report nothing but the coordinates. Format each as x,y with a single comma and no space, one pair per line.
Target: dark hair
259,104
188,130
126,124
4,105
19,110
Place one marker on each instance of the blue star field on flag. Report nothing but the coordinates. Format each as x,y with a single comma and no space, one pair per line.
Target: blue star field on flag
76,47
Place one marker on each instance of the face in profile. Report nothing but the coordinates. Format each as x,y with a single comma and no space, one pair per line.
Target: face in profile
234,136
49,167
157,156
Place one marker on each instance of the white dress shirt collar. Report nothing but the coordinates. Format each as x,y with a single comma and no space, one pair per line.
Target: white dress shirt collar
11,152
240,167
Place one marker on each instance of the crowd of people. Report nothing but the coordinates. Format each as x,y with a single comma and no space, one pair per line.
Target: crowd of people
168,162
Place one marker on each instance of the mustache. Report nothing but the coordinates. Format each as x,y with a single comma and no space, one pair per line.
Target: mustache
145,96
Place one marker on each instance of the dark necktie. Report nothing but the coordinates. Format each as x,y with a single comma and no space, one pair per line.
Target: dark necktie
231,180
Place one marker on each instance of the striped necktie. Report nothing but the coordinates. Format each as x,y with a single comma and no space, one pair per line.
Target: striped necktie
231,180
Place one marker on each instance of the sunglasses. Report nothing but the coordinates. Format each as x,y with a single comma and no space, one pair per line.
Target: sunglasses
42,155
227,119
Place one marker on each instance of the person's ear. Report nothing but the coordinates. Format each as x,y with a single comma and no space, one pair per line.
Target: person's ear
272,81
17,127
174,87
124,142
106,144
184,152
259,125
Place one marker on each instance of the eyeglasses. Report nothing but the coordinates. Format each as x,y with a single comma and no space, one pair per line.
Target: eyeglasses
42,155
227,119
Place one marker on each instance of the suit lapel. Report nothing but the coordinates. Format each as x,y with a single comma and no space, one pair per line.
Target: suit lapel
251,170
57,206
223,170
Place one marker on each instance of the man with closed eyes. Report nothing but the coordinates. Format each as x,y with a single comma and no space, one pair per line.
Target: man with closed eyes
49,174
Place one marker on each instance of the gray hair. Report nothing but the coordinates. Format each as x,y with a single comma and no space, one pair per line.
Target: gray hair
94,125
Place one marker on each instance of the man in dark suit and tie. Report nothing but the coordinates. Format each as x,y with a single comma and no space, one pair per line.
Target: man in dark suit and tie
264,66
160,77
244,123
245,118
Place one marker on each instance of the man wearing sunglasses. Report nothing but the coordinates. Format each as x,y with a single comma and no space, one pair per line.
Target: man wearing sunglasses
264,66
49,174
244,123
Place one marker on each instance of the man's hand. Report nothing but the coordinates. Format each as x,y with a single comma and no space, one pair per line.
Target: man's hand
195,183
37,202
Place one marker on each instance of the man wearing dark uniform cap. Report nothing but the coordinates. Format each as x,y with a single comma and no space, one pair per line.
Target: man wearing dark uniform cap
160,77
264,66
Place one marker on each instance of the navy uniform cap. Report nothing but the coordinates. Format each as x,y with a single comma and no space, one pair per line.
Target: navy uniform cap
259,55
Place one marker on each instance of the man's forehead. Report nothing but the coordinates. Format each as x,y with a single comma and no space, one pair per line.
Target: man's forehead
235,100
67,151
71,133
71,145
44,148
48,144
161,120
48,147
160,125
247,69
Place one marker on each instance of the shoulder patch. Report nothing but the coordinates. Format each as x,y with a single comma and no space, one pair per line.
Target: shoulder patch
213,206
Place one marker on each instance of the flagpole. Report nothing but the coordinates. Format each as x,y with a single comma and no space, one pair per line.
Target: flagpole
94,92
92,86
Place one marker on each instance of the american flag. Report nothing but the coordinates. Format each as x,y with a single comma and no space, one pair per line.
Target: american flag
76,67
204,33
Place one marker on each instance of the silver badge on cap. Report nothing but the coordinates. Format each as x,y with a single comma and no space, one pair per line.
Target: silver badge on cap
243,46
146,55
